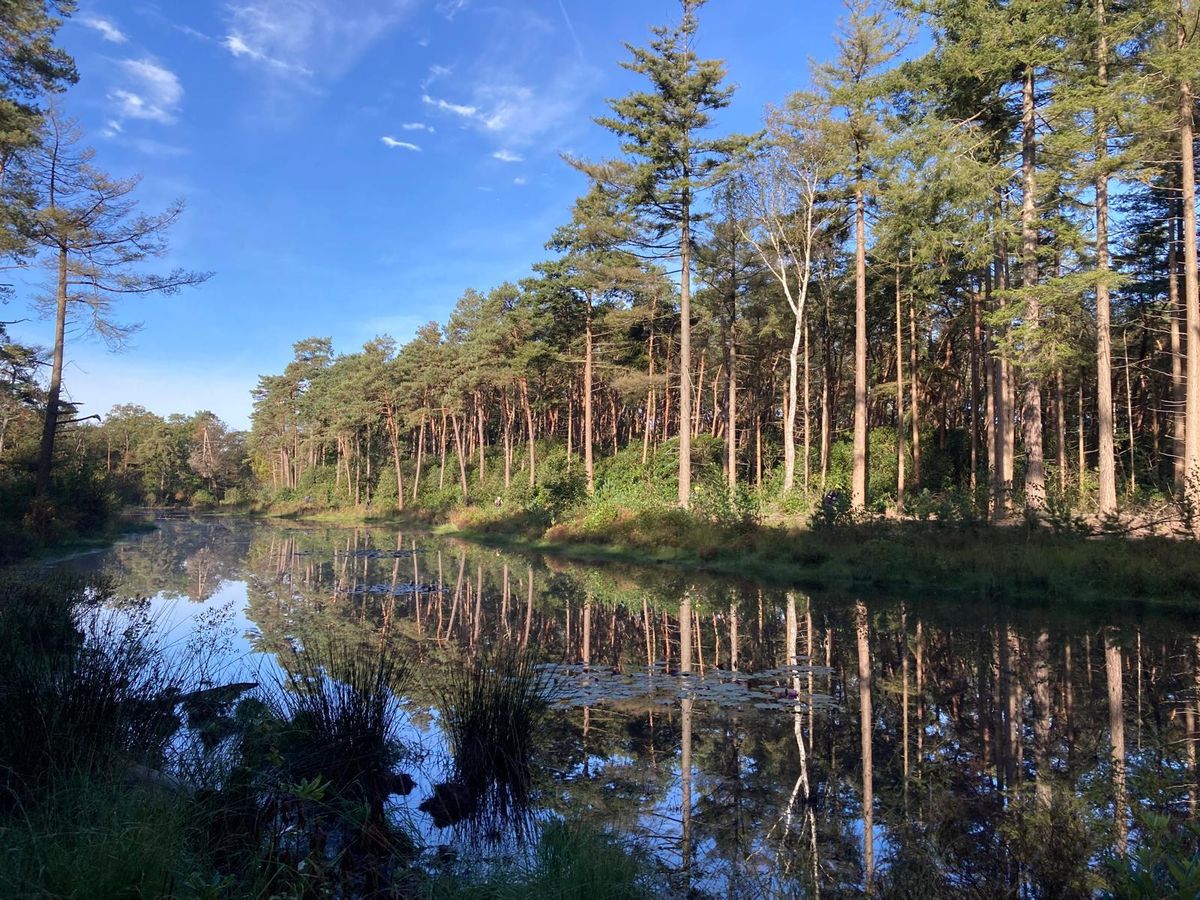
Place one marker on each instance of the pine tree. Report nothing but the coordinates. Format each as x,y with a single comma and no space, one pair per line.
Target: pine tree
668,165
86,223
868,42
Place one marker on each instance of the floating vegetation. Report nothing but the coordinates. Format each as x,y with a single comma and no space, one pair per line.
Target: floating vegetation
406,589
768,690
372,553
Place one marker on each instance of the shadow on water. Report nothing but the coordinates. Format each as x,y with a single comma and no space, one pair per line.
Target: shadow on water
755,741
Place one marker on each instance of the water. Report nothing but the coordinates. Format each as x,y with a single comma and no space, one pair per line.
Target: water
760,741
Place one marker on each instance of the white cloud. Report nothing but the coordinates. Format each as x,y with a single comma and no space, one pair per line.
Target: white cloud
309,38
237,45
436,73
149,91
451,8
416,126
106,29
399,145
508,156
458,109
520,180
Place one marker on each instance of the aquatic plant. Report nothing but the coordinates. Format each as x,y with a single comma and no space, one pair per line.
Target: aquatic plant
493,710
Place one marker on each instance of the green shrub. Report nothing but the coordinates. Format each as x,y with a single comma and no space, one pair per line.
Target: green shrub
203,499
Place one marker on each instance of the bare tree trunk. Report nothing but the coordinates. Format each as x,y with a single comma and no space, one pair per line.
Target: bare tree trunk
914,386
394,436
899,397
1031,414
462,459
529,432
1191,283
1104,400
731,431
588,466
976,393
861,463
54,388
1177,314
420,458
1060,410
685,357
807,414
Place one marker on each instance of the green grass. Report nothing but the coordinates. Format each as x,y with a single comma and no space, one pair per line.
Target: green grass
1009,562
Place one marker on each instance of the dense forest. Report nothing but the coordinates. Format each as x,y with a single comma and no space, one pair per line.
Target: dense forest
957,270
969,270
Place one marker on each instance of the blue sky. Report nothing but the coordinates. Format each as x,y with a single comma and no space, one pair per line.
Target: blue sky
351,166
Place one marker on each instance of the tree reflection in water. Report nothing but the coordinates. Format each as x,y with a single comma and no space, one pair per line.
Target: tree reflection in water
761,741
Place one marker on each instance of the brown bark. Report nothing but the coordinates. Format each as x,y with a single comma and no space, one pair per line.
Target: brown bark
1031,413
859,476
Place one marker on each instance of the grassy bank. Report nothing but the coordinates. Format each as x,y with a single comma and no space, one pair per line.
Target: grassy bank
1017,562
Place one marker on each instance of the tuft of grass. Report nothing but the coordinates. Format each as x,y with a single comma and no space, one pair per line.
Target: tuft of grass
85,690
93,838
494,710
341,714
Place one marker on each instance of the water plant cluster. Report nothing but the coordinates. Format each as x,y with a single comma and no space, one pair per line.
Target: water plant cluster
129,768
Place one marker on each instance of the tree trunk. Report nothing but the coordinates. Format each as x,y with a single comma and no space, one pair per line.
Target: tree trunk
685,357
859,479
1031,413
394,436
1191,283
54,388
1177,315
790,405
1060,408
731,416
529,432
588,465
420,458
462,458
914,386
1104,399
899,396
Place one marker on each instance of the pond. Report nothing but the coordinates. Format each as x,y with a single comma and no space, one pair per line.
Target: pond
760,741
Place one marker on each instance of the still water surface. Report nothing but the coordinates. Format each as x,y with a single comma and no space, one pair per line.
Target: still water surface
762,741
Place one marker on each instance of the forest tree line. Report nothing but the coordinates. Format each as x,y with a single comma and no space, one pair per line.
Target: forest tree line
970,269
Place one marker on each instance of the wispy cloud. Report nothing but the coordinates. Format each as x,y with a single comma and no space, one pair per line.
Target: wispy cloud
237,45
389,141
308,38
451,8
520,180
436,73
416,126
508,156
105,28
457,109
148,91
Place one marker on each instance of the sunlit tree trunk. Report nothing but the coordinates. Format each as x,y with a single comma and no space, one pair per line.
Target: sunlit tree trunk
861,463
1191,282
1031,414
